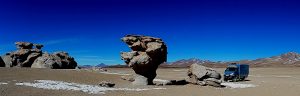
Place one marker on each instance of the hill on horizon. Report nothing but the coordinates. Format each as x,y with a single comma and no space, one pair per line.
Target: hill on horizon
286,59
289,59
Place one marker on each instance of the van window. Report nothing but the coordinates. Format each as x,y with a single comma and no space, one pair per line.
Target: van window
231,69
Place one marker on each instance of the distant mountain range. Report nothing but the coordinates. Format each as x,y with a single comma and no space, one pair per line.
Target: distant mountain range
290,59
91,66
287,59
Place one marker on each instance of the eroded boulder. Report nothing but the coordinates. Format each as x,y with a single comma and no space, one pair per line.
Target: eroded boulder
201,75
58,60
146,55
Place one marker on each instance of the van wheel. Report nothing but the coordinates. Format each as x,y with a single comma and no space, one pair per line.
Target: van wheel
235,79
225,79
243,78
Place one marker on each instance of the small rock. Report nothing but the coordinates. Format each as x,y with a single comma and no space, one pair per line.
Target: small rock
172,82
180,82
131,79
106,84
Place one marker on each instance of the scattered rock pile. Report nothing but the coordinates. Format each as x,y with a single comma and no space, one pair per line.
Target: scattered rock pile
146,55
201,75
31,55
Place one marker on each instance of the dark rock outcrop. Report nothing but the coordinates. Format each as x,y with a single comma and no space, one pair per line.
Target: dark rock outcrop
146,55
31,55
2,64
201,75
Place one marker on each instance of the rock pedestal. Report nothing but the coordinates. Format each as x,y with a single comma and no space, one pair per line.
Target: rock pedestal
146,55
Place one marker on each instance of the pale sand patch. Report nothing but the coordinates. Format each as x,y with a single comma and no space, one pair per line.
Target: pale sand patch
91,89
238,85
114,73
282,76
160,80
3,83
178,70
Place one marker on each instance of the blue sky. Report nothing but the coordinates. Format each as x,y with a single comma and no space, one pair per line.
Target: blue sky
90,30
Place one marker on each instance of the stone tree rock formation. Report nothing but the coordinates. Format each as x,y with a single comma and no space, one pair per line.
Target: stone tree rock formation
31,55
146,55
201,75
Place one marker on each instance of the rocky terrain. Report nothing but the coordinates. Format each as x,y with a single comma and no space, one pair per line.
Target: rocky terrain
31,55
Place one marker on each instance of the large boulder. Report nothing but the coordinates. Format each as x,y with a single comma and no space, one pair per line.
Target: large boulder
58,60
46,61
146,55
202,75
7,60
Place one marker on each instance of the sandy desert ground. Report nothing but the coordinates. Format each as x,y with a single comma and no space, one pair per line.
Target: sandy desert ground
263,81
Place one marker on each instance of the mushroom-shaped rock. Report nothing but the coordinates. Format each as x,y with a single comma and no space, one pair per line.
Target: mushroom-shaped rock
146,55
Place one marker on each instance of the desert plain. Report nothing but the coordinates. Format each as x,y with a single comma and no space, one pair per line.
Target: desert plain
264,82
